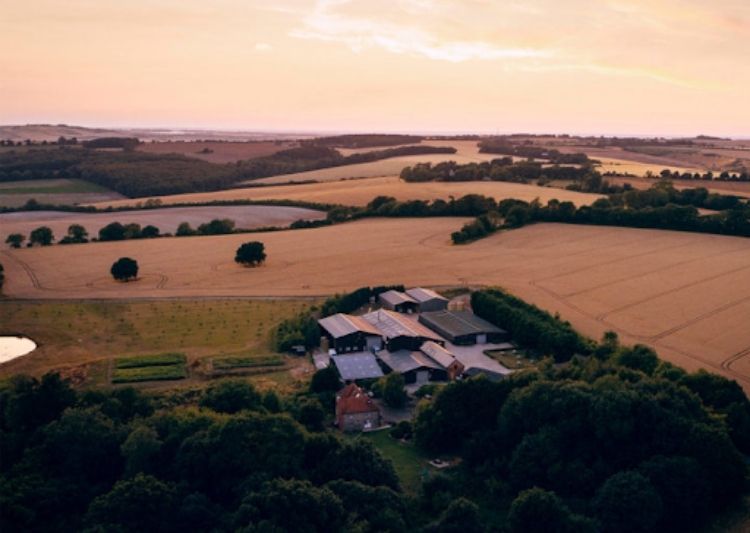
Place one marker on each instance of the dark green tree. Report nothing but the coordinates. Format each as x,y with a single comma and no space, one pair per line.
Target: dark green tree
394,394
231,396
15,240
124,269
325,380
250,254
628,503
149,232
42,236
112,232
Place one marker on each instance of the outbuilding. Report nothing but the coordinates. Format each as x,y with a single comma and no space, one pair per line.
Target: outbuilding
414,365
463,327
348,333
398,301
443,357
427,299
354,366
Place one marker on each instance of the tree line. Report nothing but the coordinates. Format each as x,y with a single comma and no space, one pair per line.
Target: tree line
138,174
501,169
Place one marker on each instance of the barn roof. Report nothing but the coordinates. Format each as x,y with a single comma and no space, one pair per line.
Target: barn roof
406,360
394,298
439,354
341,325
424,295
357,366
458,323
394,325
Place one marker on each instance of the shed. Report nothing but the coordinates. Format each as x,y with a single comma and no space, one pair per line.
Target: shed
357,366
427,299
463,327
447,360
348,333
398,301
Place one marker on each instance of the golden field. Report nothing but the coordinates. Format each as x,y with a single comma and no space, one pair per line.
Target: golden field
360,192
685,294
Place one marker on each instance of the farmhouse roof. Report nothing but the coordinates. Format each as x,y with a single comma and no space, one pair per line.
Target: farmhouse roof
394,298
352,400
424,295
357,366
406,360
437,353
458,323
394,325
341,325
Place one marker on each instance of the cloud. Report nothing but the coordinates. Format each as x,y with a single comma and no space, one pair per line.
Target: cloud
359,33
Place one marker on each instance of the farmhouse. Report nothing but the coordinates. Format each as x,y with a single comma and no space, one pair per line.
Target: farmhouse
427,300
355,410
398,301
357,366
347,333
462,327
399,331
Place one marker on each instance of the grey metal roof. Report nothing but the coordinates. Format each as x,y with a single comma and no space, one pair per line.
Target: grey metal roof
459,323
437,353
393,325
341,325
405,360
394,298
357,366
424,295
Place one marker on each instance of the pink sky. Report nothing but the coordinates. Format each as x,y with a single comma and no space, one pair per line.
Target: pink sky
671,67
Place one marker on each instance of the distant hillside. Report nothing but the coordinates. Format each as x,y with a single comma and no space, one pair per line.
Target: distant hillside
51,132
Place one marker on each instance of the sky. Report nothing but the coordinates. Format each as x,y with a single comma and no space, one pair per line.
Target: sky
642,67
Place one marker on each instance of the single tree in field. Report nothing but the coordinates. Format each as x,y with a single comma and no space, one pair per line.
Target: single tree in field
124,269
149,232
42,236
15,240
251,254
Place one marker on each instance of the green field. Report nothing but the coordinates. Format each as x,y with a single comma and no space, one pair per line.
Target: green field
228,363
160,367
85,334
54,186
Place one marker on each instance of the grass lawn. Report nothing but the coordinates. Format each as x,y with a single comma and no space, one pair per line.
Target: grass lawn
410,464
512,359
72,334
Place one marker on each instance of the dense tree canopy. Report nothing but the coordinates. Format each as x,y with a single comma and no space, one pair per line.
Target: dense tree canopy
250,254
124,269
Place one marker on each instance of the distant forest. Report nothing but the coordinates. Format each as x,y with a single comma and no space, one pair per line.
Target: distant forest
137,174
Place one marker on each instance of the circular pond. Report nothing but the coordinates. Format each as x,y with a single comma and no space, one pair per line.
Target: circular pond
12,346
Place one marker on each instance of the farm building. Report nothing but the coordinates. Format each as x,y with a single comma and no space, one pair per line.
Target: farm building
463,327
452,366
398,301
355,410
357,366
347,333
427,300
414,365
400,332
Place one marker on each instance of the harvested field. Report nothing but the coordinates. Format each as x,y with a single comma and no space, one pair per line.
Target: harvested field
53,191
639,168
360,192
216,152
686,294
467,152
167,220
715,186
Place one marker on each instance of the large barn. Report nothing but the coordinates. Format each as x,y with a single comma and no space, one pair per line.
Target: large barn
398,301
400,332
348,333
463,327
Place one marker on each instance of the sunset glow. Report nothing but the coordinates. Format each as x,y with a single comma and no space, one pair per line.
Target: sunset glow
668,67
